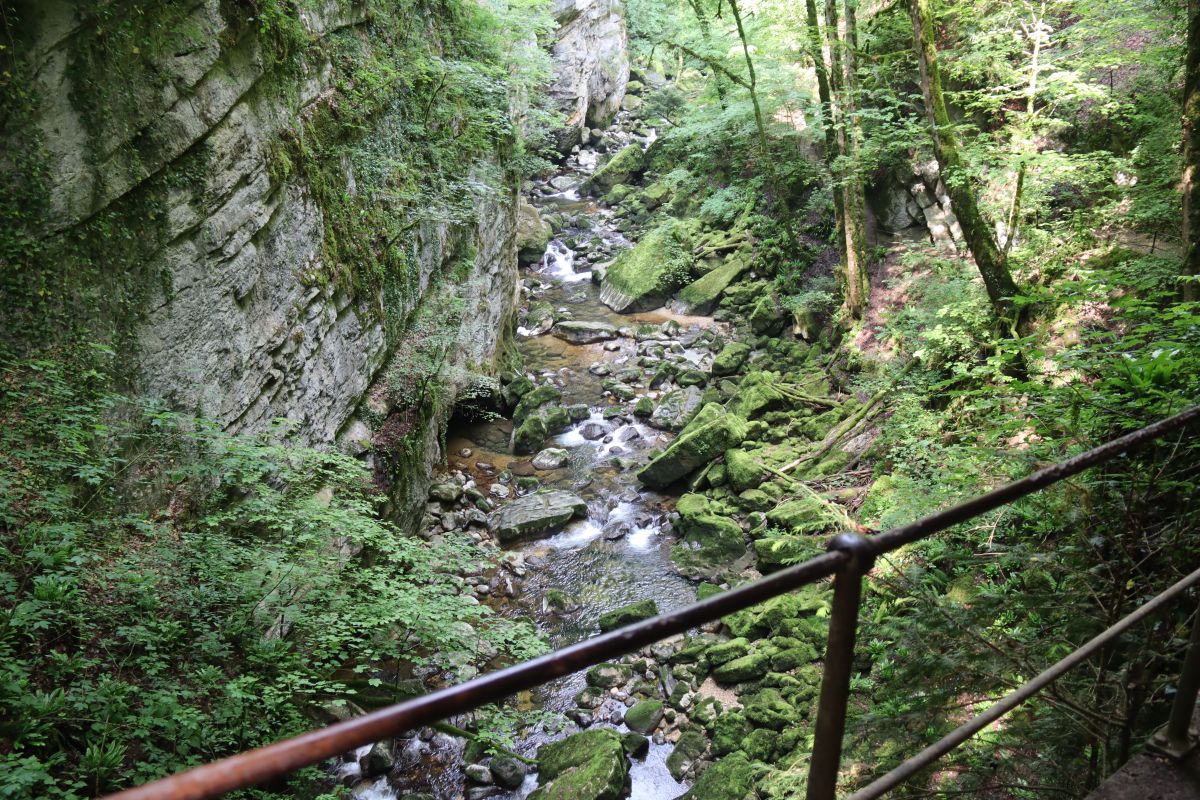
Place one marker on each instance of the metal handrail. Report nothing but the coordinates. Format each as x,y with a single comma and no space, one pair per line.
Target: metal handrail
849,559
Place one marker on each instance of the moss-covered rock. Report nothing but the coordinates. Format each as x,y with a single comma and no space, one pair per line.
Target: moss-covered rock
768,316
768,709
709,541
731,778
636,745
621,168
778,613
728,731
645,276
776,552
793,657
724,652
644,717
534,399
744,470
711,433
644,408
761,745
739,670
702,295
692,746
586,766
676,409
607,675
806,515
731,358
635,612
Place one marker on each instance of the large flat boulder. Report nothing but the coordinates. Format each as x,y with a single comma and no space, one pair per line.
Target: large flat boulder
581,332
713,431
536,514
645,276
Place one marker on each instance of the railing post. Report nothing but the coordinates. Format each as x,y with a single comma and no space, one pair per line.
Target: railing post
839,658
1174,739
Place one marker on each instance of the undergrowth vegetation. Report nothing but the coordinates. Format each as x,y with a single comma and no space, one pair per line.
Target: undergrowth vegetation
172,593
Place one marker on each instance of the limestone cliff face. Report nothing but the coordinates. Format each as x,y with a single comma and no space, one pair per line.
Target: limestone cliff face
237,318
591,64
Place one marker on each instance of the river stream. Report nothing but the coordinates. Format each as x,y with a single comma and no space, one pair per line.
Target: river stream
619,553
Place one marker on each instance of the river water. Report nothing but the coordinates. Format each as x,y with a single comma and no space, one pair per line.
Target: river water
619,553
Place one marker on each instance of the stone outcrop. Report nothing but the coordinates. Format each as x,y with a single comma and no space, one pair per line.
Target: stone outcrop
239,315
534,514
591,64
908,199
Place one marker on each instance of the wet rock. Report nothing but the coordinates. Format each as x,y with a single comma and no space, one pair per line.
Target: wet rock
629,614
478,773
691,747
600,369
629,434
607,675
536,514
619,390
376,761
586,766
551,458
498,490
636,745
617,530
507,772
645,716
480,792
676,409
578,332
593,431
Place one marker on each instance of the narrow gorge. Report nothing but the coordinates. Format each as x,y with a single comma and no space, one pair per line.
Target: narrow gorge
354,349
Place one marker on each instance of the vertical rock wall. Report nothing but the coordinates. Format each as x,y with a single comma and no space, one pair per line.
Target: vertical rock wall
591,64
236,315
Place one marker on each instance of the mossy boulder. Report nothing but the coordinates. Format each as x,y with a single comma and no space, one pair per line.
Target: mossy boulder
607,675
775,552
731,778
761,745
709,541
644,717
627,615
728,731
768,709
645,276
779,614
656,194
621,168
534,399
532,233
702,295
586,766
724,652
676,409
744,470
767,316
713,431
739,670
731,358
793,657
692,746
636,745
806,515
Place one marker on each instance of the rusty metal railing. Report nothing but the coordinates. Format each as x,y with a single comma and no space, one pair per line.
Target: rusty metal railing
849,560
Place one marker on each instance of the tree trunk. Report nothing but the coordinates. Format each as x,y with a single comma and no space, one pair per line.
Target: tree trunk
857,288
988,257
817,53
1191,158
846,189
